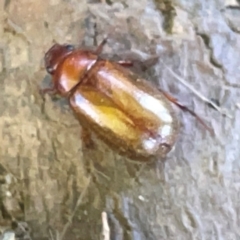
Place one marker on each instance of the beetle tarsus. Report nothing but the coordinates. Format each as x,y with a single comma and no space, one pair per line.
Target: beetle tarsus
50,91
100,47
186,109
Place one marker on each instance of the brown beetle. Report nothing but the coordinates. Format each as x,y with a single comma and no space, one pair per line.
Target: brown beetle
128,113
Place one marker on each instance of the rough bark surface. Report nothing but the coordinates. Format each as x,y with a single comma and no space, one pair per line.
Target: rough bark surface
45,168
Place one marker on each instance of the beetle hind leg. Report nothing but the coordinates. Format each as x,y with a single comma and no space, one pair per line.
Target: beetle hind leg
87,138
185,109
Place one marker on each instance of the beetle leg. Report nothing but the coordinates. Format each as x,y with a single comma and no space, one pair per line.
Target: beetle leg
100,47
51,91
125,63
185,109
87,138
142,65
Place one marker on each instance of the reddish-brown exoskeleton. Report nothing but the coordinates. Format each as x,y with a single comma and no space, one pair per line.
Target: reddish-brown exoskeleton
126,112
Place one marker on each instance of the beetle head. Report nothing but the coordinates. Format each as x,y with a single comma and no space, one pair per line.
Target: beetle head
54,56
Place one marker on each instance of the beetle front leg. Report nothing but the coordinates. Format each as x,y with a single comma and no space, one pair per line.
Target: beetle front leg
185,109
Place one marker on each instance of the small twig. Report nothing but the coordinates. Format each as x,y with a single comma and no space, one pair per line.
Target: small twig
51,235
198,94
17,29
105,229
79,201
102,174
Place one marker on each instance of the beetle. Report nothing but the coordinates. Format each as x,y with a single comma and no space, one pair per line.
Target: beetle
128,113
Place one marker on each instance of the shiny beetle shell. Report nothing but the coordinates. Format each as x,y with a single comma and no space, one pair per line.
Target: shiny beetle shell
128,113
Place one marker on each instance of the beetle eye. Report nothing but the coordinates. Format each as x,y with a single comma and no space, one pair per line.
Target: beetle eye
69,47
50,70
